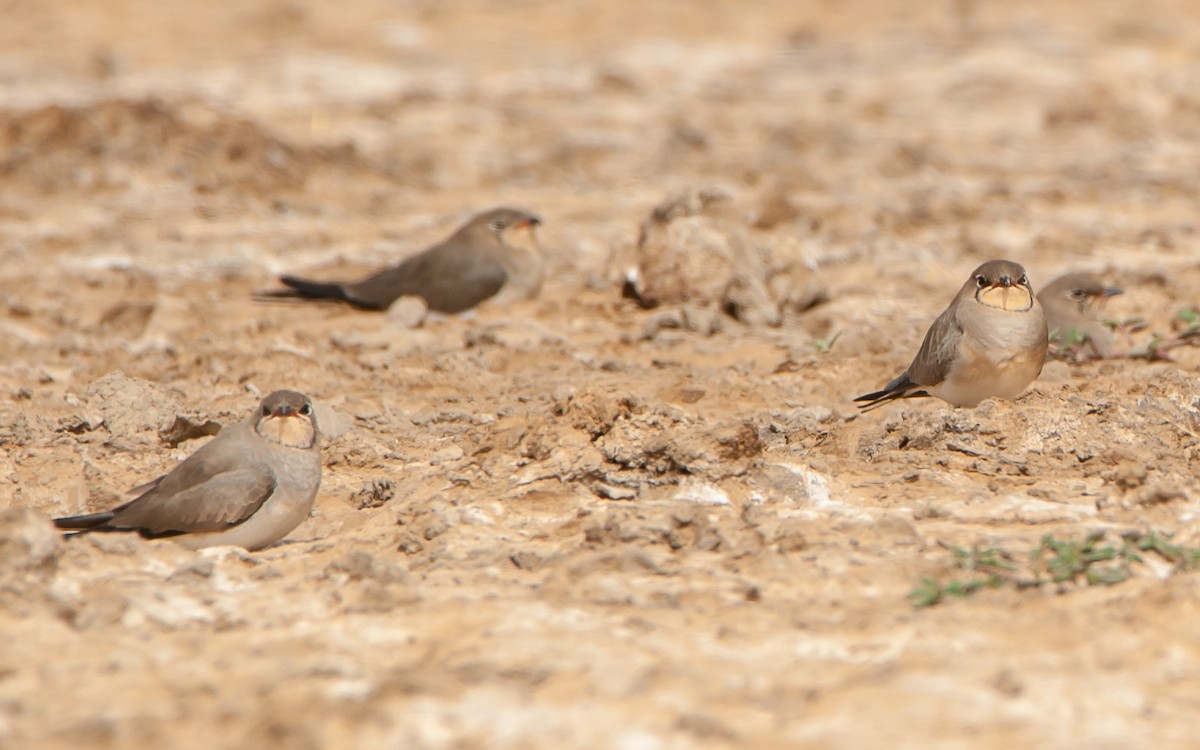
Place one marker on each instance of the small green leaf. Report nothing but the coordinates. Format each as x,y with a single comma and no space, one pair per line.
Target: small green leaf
1107,576
1087,560
1076,337
927,594
824,346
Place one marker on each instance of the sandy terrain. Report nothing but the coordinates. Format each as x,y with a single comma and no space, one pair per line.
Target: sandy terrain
574,522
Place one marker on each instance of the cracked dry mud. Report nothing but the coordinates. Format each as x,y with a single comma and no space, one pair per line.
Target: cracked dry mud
581,522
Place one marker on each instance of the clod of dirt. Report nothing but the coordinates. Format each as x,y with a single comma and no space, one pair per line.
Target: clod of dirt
330,421
30,549
783,533
791,280
359,565
616,442
15,427
132,407
695,250
185,428
373,494
517,335
692,249
28,541
594,410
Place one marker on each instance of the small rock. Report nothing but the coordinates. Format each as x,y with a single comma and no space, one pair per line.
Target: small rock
612,492
446,455
359,565
374,493
130,407
330,421
529,559
169,608
517,335
198,568
1055,371
27,540
703,494
407,312
359,341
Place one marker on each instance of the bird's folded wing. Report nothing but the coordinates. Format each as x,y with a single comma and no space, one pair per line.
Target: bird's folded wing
451,277
205,503
932,363
472,286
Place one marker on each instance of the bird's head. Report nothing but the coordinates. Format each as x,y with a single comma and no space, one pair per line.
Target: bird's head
287,418
1080,290
512,226
1003,285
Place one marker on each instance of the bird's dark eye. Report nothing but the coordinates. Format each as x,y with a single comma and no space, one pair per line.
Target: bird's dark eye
1024,280
498,224
1077,294
306,410
981,280
266,410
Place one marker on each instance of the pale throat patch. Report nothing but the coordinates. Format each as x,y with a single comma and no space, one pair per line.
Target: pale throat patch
294,432
1010,298
521,238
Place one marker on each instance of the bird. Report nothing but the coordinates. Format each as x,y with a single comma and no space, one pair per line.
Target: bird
990,342
248,487
494,255
1072,303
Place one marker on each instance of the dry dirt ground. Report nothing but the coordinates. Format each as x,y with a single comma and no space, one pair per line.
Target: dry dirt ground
577,523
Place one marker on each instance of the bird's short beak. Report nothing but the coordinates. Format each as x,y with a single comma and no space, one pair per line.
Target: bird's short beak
1004,281
1111,291
284,410
532,221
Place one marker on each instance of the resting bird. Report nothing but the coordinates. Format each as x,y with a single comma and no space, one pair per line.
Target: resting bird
1073,303
990,342
249,486
494,256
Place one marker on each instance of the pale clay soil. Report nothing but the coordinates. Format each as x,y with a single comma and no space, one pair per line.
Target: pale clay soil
574,522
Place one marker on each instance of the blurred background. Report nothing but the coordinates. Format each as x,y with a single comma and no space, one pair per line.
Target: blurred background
579,523
956,123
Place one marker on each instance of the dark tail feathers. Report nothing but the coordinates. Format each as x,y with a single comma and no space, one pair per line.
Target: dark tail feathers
84,523
899,388
76,525
305,289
